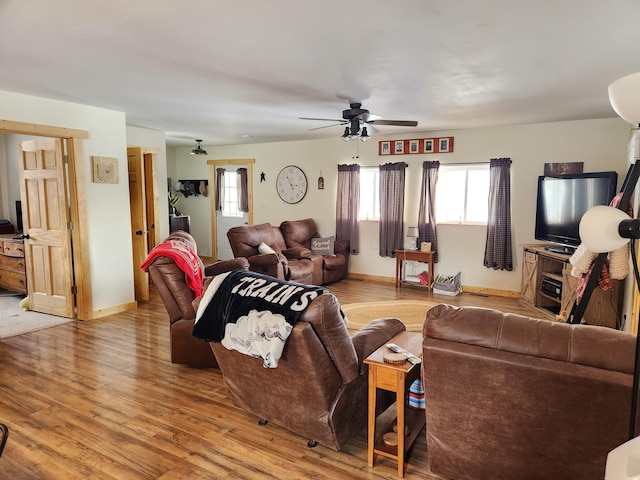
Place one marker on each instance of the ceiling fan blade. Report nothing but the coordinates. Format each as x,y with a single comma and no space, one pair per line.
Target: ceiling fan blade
327,126
322,119
399,123
368,117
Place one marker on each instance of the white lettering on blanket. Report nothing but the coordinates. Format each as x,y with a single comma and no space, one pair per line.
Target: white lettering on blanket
273,292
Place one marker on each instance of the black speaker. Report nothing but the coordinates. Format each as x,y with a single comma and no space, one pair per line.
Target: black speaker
19,216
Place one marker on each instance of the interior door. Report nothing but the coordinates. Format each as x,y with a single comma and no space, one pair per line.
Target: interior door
44,195
151,199
139,231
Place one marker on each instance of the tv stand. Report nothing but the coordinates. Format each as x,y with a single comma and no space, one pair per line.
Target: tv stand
560,249
548,286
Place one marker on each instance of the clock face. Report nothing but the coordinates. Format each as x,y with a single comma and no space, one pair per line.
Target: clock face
291,184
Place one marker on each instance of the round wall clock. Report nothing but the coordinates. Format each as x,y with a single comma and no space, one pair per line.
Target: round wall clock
291,184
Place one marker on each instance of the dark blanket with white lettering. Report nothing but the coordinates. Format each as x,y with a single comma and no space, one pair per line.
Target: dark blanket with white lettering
252,313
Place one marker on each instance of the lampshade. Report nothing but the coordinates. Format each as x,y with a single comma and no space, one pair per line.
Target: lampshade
364,136
624,96
600,229
346,136
198,150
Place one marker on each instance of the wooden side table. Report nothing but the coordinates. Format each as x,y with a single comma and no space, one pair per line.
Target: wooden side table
417,256
395,378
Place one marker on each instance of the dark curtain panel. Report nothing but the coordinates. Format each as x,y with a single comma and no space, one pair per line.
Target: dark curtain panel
498,250
347,205
427,231
219,188
243,191
392,177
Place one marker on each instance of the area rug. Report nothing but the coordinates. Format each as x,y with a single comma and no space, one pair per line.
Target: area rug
15,321
411,312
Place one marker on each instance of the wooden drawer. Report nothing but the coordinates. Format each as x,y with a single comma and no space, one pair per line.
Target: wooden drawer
13,248
13,281
15,264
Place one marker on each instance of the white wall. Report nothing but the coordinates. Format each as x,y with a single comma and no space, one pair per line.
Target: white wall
107,205
600,144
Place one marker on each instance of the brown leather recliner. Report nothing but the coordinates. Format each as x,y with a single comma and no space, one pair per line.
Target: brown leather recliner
177,297
319,388
519,398
298,234
246,239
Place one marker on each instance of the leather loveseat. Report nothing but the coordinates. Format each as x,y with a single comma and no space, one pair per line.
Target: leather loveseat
292,258
517,398
319,388
178,297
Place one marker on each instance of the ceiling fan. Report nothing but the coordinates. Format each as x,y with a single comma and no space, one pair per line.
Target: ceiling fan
360,122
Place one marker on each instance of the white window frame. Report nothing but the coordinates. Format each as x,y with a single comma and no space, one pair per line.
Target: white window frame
441,196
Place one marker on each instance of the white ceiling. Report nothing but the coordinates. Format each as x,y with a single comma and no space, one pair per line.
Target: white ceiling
217,70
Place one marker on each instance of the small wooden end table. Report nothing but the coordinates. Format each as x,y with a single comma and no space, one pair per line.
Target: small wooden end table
417,256
395,378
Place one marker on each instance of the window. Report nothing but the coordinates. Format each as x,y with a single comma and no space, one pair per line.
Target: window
462,194
369,193
231,206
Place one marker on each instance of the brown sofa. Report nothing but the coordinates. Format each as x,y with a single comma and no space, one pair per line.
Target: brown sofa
298,234
245,241
319,388
177,297
512,397
293,259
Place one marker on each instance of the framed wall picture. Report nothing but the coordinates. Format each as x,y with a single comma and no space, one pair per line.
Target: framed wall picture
105,170
443,145
414,146
399,147
428,145
384,148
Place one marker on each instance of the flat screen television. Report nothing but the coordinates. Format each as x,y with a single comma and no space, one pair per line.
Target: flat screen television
561,202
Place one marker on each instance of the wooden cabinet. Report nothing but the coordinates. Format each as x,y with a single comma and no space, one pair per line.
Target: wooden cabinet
547,284
179,222
12,266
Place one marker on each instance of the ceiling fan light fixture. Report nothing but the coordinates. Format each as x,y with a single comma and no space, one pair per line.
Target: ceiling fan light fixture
346,136
364,135
198,150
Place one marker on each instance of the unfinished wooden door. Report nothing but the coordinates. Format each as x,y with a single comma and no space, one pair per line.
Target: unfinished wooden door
139,230
43,190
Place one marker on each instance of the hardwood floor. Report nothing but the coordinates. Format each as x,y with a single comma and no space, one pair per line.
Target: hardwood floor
101,400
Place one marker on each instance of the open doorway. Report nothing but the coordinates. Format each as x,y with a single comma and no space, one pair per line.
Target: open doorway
221,221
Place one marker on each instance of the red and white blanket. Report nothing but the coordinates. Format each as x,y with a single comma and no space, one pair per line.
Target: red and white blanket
186,259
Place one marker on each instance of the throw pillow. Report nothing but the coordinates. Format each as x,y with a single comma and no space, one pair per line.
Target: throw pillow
322,246
264,248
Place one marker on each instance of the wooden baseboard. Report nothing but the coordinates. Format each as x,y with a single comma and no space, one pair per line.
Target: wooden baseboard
465,288
111,310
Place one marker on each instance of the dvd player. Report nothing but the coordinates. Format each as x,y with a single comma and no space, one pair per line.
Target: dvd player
552,287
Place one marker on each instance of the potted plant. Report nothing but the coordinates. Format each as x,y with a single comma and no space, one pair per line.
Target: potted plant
173,200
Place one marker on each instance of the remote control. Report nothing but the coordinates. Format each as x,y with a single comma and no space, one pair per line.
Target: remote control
394,348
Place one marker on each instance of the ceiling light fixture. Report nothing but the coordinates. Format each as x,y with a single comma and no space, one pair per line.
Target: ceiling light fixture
355,132
198,150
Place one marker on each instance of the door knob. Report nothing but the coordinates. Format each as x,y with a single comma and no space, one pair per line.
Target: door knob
139,232
24,236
